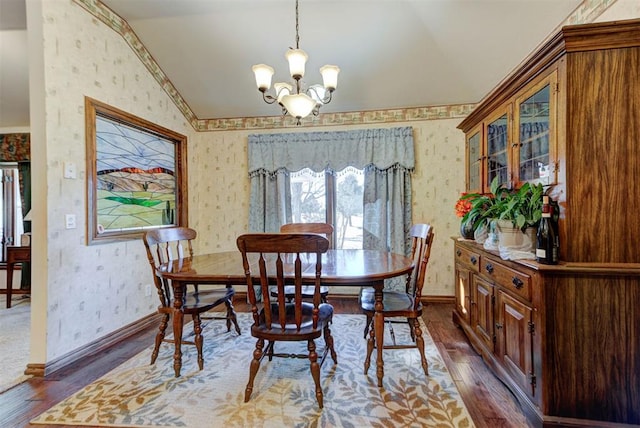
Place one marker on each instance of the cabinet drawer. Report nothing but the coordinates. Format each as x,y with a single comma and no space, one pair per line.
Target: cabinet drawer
511,280
468,258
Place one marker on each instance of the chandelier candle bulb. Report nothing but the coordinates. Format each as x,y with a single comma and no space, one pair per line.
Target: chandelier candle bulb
263,75
297,59
330,76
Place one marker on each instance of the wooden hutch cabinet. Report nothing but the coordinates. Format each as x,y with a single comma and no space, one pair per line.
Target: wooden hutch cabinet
564,338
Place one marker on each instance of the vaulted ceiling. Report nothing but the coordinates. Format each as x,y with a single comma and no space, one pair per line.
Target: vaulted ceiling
392,53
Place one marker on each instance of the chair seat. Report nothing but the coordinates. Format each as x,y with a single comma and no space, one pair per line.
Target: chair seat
325,315
197,301
395,303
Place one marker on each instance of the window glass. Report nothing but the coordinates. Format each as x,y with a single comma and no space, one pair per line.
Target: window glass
348,222
308,197
330,198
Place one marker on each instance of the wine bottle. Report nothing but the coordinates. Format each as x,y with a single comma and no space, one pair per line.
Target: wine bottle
546,243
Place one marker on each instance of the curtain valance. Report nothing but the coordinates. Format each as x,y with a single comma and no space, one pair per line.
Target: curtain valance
15,147
336,150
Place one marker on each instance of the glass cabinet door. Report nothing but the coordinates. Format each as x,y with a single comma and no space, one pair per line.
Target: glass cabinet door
534,149
497,132
474,162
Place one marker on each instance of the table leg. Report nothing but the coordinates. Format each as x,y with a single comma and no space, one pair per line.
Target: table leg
9,282
178,318
378,323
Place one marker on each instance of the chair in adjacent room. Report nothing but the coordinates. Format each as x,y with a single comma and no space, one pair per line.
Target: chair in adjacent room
402,307
324,229
282,257
173,243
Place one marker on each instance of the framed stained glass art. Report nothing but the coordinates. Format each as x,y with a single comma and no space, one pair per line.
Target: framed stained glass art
136,175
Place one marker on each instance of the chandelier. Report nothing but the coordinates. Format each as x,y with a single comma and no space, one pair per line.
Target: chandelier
297,102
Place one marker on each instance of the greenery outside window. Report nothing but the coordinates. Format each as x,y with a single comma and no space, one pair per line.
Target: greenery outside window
334,198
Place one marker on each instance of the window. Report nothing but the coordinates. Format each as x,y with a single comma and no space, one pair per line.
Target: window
11,210
330,198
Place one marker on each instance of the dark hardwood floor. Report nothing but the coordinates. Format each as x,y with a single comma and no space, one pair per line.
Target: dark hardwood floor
489,402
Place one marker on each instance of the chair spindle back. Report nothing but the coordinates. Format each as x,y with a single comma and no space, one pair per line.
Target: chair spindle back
280,255
421,240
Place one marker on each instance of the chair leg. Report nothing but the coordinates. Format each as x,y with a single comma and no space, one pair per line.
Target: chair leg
411,329
315,370
420,345
370,345
328,340
367,326
159,337
231,316
197,330
253,368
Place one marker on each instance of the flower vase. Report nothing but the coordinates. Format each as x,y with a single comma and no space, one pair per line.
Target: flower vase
466,230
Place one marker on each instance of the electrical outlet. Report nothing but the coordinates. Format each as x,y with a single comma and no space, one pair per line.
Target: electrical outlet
70,221
69,170
147,290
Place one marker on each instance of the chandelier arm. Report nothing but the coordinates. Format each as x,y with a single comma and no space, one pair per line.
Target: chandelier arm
328,98
269,99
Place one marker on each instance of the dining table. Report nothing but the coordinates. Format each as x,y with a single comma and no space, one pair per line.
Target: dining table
340,268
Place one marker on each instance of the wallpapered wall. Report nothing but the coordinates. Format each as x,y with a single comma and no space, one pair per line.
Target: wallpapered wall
94,290
437,182
91,290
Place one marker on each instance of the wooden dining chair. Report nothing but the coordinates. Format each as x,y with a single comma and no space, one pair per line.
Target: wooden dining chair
405,305
164,245
283,258
324,229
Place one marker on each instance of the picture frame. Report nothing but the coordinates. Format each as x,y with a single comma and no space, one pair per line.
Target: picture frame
136,175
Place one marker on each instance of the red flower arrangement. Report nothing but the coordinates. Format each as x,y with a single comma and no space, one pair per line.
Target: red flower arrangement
463,205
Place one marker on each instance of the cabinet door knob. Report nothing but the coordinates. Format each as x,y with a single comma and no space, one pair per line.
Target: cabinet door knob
489,267
517,282
498,326
474,260
458,253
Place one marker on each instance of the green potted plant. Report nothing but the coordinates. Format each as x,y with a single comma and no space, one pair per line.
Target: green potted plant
477,205
522,207
513,213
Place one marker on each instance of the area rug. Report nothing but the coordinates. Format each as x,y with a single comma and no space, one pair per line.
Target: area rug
137,394
14,341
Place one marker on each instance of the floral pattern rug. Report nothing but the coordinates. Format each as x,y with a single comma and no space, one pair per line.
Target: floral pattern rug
136,394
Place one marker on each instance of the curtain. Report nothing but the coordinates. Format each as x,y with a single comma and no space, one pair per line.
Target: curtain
17,148
386,156
270,205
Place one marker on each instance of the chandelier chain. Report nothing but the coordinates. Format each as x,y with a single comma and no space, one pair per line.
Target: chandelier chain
297,28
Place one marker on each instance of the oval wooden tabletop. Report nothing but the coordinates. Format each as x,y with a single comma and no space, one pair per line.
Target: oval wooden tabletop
339,267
